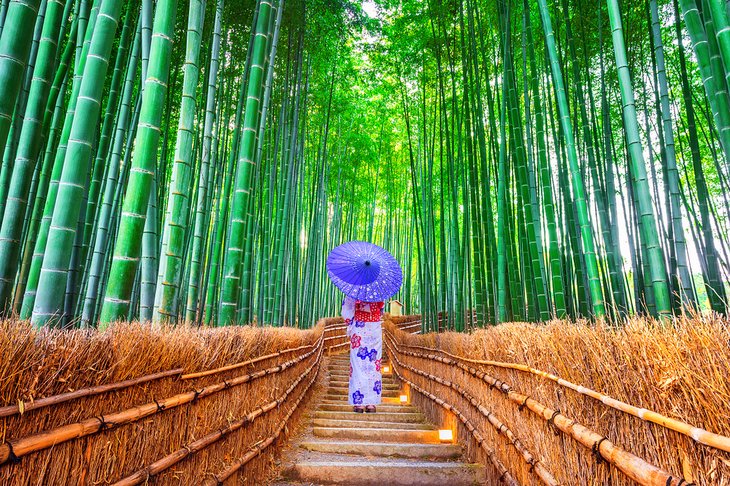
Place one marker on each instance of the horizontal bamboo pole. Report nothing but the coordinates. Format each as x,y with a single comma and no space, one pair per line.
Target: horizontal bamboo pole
259,447
170,460
13,449
504,474
697,434
84,392
535,465
334,325
234,366
633,466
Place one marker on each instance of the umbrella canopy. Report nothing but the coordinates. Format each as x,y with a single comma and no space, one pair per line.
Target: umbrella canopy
364,271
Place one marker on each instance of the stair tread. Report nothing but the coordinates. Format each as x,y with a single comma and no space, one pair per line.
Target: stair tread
325,422
396,445
410,445
354,461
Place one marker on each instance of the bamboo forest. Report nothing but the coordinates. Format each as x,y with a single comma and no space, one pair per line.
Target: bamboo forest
523,160
365,242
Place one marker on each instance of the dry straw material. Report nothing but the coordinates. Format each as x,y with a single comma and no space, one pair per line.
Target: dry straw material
119,400
538,381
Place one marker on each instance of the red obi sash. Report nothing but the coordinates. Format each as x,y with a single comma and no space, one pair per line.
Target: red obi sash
369,311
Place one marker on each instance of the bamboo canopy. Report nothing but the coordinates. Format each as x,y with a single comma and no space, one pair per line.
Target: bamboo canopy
524,160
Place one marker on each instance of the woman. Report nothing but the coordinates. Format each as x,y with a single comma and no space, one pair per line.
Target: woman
364,321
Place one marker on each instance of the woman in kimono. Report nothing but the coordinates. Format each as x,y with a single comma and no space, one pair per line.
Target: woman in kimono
364,321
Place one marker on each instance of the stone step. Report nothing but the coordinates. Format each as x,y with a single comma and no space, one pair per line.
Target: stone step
341,383
381,416
345,376
344,383
345,386
340,395
337,399
392,449
344,407
367,424
399,472
344,391
378,435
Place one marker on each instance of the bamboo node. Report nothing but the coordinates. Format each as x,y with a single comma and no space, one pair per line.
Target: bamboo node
103,424
12,458
160,407
551,422
596,449
681,482
522,405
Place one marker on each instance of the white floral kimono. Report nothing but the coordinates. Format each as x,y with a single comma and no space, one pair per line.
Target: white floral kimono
364,328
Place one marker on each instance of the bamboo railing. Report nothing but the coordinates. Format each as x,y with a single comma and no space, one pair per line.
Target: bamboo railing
540,471
210,416
15,449
697,434
170,460
450,381
84,392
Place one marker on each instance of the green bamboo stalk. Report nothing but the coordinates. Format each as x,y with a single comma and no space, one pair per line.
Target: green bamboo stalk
650,238
576,179
127,248
234,249
61,235
176,220
194,282
29,146
679,245
15,45
101,237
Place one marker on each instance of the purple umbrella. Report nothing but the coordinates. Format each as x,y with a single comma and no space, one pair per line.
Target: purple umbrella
364,271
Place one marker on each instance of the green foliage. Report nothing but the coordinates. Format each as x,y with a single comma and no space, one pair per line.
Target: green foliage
426,126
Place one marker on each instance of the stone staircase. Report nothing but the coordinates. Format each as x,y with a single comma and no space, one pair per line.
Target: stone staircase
395,446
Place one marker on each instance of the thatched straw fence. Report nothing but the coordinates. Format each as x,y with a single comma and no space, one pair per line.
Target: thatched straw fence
572,404
135,404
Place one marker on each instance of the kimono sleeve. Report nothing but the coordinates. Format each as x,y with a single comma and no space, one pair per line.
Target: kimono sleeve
348,312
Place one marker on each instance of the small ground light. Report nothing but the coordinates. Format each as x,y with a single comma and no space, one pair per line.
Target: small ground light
404,398
386,368
446,435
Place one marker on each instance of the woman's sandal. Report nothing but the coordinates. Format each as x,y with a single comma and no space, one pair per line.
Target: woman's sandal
370,409
358,409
